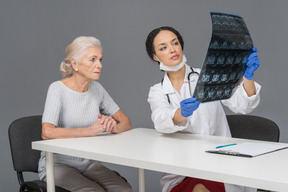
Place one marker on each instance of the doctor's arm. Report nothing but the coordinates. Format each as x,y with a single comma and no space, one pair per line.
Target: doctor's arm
249,87
166,118
187,107
178,118
246,96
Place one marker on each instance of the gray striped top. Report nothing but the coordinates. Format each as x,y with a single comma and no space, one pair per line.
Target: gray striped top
70,109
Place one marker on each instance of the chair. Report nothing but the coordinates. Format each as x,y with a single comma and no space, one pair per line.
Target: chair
253,127
21,133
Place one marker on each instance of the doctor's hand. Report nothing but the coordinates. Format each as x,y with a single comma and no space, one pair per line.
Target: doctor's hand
188,106
252,64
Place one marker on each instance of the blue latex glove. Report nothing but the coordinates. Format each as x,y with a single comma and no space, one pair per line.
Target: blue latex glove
188,106
252,64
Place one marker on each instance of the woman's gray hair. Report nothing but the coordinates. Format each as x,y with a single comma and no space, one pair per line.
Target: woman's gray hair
75,50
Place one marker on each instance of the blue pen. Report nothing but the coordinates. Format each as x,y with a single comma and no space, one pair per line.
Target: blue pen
221,146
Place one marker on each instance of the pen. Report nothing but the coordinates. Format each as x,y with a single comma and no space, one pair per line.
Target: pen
221,146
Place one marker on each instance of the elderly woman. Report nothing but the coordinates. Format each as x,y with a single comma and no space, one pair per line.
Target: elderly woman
78,106
174,109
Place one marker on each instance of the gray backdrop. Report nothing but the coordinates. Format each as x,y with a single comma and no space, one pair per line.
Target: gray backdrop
34,34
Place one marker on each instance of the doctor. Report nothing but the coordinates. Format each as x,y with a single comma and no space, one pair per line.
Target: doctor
174,109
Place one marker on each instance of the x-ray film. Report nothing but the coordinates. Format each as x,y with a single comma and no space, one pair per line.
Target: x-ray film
226,58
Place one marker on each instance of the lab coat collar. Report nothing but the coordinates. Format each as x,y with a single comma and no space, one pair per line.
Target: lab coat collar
167,85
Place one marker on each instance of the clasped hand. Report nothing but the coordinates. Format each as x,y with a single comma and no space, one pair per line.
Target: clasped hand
188,106
103,123
252,64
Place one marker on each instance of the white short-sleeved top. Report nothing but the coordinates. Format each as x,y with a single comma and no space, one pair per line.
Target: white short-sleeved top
70,109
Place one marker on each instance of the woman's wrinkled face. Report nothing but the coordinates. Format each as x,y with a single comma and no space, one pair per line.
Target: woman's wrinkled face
167,48
90,64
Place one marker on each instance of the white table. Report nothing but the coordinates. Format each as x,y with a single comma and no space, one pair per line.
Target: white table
179,153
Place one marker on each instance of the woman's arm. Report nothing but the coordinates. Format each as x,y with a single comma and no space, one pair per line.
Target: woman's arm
49,131
103,123
123,122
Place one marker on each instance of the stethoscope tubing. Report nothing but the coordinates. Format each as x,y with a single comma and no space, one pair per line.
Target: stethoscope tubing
188,77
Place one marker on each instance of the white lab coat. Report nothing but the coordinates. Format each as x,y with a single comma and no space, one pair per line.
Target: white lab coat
208,119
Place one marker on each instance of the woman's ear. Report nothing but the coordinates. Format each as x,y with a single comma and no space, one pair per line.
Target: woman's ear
73,63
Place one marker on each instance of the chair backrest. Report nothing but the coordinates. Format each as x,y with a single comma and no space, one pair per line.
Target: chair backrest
21,133
253,127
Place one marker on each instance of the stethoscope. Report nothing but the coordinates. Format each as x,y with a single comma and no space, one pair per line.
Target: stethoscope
188,77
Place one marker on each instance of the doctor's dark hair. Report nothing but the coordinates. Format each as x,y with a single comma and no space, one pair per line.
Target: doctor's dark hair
150,39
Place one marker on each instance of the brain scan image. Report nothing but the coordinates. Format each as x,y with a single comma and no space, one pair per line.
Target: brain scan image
216,77
211,59
205,78
224,77
219,92
226,57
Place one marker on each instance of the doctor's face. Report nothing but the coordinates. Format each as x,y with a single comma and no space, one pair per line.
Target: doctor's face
167,48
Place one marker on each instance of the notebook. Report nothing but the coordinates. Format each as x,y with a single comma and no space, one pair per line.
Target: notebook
248,149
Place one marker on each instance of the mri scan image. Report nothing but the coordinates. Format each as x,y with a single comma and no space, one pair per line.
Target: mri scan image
226,58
